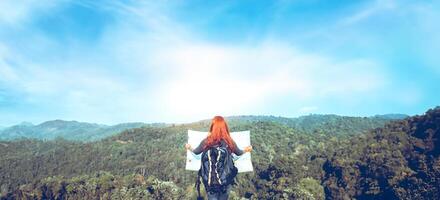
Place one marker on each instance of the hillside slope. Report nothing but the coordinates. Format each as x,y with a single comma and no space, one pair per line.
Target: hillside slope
399,161
158,152
281,158
289,163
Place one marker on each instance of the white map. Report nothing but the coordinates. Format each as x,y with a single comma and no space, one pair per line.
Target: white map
242,139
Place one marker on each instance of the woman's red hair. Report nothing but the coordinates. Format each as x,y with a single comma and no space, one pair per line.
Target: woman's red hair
219,131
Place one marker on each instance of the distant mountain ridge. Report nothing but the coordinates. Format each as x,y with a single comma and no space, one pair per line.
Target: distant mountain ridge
70,130
84,131
333,124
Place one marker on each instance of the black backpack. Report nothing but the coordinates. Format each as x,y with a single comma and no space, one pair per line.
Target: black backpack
217,169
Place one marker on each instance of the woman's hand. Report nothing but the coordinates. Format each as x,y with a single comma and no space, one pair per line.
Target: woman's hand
188,146
248,149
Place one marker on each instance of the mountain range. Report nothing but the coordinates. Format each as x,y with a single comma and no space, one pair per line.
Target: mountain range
70,130
83,131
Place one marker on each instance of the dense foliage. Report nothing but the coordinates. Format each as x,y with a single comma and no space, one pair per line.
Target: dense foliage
158,152
399,161
101,185
292,160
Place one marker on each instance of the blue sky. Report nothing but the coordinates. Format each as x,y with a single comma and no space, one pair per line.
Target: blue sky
182,61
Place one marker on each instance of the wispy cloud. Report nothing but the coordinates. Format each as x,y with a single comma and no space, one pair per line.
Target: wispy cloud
7,73
369,10
15,12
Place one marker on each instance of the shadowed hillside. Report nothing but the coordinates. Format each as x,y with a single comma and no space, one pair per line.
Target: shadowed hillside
399,161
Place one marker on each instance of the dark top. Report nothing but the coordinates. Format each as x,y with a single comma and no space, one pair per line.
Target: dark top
199,149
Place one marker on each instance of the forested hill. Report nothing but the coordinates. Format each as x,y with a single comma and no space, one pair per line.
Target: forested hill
70,130
398,160
82,131
332,124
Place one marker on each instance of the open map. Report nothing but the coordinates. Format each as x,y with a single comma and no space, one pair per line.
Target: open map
242,139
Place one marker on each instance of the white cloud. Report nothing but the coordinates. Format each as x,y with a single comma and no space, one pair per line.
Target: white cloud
212,78
187,78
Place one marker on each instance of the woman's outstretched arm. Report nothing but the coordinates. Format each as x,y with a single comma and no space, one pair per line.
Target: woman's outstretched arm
240,152
237,150
197,150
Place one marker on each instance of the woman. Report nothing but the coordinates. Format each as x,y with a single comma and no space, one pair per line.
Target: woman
219,135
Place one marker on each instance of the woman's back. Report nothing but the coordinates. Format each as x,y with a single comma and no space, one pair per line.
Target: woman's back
218,136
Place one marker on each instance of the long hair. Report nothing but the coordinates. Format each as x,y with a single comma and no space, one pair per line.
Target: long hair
219,131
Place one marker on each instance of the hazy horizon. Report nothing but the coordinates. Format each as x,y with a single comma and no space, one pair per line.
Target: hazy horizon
185,122
183,61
